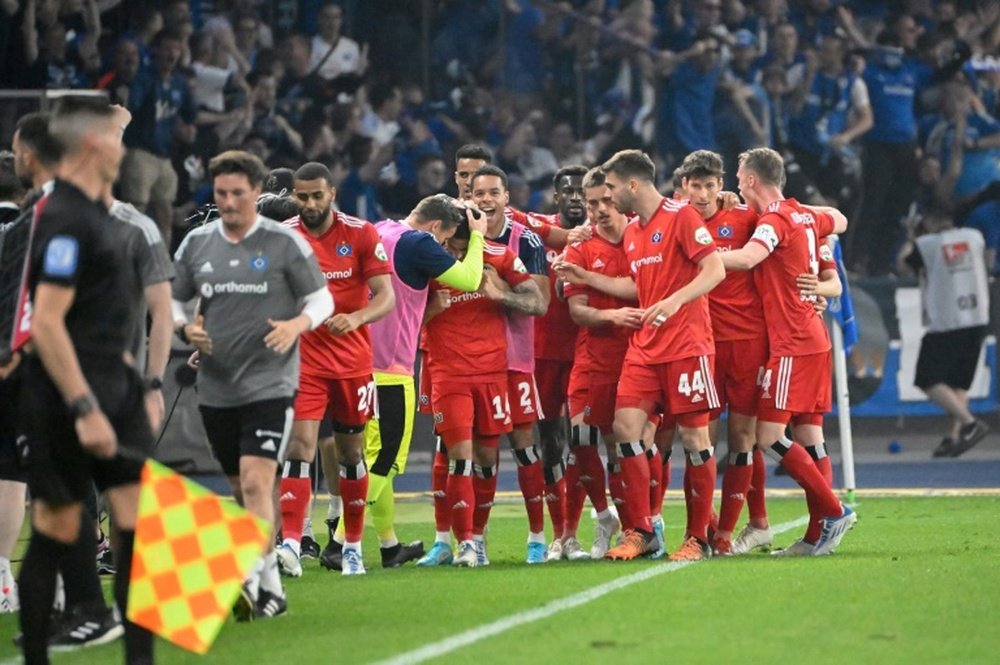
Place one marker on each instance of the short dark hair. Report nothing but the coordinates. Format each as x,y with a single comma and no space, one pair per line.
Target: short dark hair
72,114
11,187
171,33
595,178
33,131
489,169
238,161
766,163
428,158
474,151
443,207
631,164
314,171
569,171
279,180
380,93
702,164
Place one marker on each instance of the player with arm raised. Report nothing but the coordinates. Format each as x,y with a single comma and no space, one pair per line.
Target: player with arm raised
796,380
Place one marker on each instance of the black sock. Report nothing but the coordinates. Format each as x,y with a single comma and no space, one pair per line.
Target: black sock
37,589
331,525
138,640
79,570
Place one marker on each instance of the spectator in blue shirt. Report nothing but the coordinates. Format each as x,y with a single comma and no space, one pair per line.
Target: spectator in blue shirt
162,111
686,120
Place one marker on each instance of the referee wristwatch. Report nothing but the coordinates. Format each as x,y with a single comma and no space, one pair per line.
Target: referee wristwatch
152,383
83,406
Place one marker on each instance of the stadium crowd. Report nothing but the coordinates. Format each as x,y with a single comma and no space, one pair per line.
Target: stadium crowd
586,272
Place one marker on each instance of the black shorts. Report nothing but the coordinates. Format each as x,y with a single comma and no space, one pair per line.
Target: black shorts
60,471
259,429
11,429
949,357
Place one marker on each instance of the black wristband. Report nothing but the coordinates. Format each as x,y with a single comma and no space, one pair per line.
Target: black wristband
182,334
82,406
152,383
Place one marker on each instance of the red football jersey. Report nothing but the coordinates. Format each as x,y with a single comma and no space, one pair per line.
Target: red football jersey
538,223
663,257
607,344
791,234
349,254
468,340
735,306
555,332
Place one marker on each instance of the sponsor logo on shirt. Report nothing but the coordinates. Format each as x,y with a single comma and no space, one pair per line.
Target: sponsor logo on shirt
702,236
338,274
380,252
344,249
235,287
645,261
465,297
955,252
725,231
61,256
767,235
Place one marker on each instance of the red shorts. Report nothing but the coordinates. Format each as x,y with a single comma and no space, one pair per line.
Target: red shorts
424,389
525,404
349,403
792,385
737,366
578,391
552,379
676,388
600,411
464,409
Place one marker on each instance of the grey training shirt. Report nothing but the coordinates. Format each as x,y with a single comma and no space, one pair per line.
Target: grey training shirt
242,285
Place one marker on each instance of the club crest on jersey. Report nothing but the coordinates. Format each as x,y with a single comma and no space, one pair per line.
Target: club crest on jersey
344,250
258,263
725,231
657,237
380,252
702,236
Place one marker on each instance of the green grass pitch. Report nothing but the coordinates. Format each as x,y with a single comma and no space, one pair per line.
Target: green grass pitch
916,581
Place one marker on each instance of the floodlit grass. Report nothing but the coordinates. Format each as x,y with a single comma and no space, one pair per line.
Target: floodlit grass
917,581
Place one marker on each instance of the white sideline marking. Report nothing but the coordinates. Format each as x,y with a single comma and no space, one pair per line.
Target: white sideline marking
473,635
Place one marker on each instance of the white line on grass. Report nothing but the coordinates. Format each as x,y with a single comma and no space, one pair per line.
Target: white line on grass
473,635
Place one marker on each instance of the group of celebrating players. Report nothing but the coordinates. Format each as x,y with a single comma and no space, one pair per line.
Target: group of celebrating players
632,316
637,316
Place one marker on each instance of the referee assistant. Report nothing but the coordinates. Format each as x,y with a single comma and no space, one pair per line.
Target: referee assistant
84,401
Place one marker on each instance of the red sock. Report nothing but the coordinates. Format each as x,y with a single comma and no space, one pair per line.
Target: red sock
439,483
616,485
461,499
555,499
635,476
687,495
756,502
532,484
735,486
822,462
588,458
484,487
800,467
702,490
576,493
354,490
655,481
295,494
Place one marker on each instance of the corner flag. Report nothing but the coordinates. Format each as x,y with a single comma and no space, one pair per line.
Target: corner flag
842,309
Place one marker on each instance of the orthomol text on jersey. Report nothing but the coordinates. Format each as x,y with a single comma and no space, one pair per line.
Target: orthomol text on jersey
208,290
646,260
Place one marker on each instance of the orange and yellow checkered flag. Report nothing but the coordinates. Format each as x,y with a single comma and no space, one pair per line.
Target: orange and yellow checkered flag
192,552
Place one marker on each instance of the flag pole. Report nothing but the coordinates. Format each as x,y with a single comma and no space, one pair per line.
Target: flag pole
843,410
